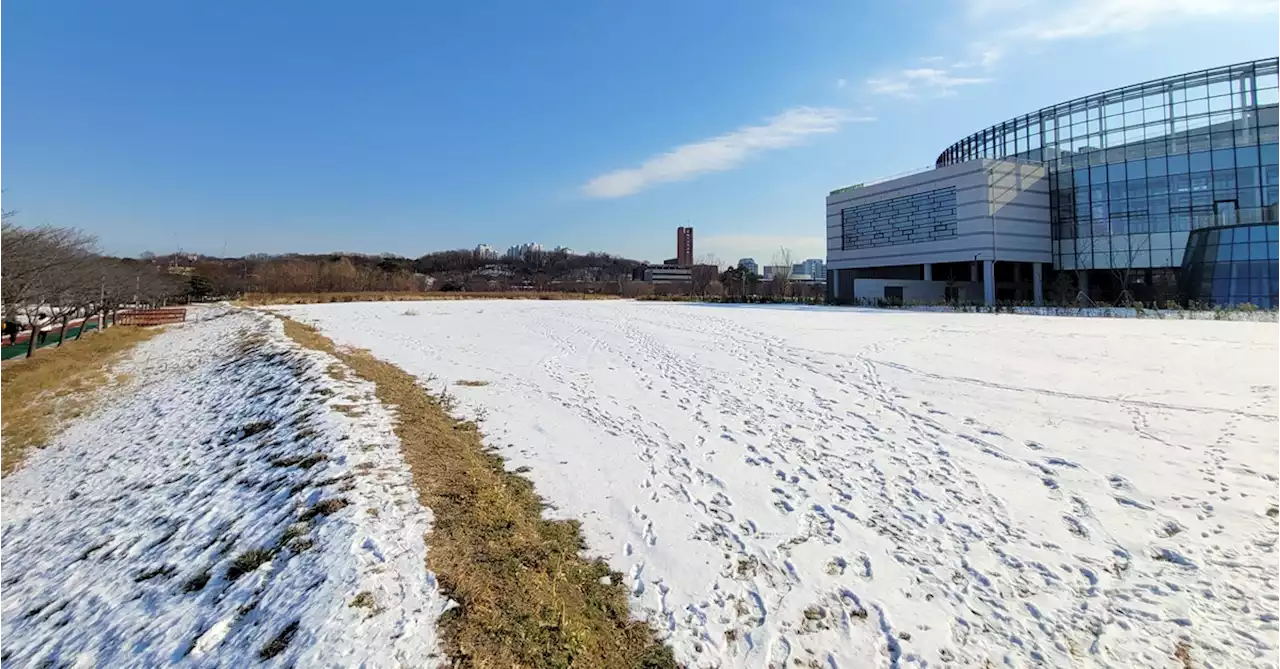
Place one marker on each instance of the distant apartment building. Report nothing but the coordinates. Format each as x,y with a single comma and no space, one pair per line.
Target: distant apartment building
772,271
749,264
523,251
684,246
809,269
813,267
486,252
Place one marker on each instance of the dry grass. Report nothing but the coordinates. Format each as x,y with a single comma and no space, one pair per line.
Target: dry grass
41,393
527,597
259,299
1182,653
471,384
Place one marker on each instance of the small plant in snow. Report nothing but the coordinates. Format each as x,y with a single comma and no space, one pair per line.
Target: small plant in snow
246,562
280,642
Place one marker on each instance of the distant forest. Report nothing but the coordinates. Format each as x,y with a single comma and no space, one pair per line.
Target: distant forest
461,270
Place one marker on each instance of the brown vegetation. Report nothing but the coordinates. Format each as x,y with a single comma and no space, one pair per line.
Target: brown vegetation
444,271
40,393
260,299
526,595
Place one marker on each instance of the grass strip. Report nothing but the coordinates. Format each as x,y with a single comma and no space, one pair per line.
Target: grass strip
261,299
526,595
41,393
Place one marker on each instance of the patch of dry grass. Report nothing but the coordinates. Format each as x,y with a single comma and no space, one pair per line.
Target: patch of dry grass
471,384
260,299
41,393
527,597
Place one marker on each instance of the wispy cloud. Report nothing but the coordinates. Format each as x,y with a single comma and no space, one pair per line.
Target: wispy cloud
922,81
720,153
1095,18
1014,26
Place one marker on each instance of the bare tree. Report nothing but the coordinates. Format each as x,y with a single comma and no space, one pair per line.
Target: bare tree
44,274
782,270
704,271
1123,275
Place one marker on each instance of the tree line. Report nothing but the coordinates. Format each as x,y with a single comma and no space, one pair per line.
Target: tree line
51,275
457,270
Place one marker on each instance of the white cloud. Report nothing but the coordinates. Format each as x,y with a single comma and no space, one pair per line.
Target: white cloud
1094,18
921,81
841,83
1016,24
720,153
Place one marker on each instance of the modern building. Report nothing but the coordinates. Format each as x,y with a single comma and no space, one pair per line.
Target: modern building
684,246
813,267
772,272
1161,190
485,252
667,274
749,264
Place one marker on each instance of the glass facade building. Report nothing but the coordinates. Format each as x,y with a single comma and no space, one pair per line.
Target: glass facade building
1174,180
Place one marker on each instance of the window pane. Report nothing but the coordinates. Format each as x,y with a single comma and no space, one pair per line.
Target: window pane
1138,187
1269,154
1156,166
1248,197
1178,165
1200,161
1247,176
1222,158
1268,96
1247,156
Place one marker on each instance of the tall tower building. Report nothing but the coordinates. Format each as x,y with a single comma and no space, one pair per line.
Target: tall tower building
684,246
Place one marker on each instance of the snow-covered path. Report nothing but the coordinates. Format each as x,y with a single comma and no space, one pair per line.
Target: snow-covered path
858,488
233,502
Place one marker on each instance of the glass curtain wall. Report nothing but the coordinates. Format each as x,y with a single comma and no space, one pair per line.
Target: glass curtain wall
1135,170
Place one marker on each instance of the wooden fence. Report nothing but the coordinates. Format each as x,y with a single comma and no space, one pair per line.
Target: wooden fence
151,317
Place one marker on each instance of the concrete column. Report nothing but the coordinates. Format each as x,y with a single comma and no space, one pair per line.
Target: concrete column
834,279
1037,283
928,271
973,271
989,282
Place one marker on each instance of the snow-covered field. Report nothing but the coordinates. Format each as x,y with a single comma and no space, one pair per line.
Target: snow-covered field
837,487
129,541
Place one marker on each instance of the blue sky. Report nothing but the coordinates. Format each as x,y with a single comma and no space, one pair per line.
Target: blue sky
408,127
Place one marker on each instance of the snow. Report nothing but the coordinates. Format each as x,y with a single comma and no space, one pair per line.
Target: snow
857,488
108,530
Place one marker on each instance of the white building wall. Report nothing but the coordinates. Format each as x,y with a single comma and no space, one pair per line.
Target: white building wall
1001,213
